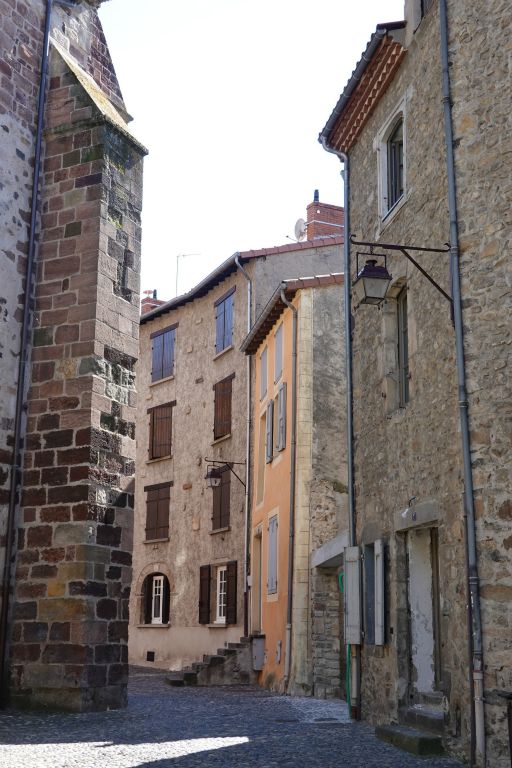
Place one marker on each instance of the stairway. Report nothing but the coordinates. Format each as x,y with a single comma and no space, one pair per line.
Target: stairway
421,729
231,665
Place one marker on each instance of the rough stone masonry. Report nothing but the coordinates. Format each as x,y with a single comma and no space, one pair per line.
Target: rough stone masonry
68,608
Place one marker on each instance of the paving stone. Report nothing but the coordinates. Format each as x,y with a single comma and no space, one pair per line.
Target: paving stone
221,727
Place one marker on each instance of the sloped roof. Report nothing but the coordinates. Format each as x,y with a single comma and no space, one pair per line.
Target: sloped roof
101,101
276,306
368,82
229,266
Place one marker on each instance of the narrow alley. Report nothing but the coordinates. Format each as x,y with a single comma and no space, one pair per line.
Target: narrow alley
191,727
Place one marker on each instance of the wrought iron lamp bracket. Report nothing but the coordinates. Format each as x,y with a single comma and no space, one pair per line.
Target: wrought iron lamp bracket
228,464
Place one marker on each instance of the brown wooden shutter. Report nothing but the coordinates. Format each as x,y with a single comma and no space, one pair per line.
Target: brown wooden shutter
222,408
217,507
204,594
157,511
151,514
231,592
160,430
221,500
166,596
146,597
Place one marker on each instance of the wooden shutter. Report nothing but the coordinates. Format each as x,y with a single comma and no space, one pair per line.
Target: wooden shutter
146,600
269,427
157,352
352,569
228,321
222,407
272,556
380,616
166,596
263,374
160,430
219,327
204,594
281,418
221,500
231,577
168,354
157,511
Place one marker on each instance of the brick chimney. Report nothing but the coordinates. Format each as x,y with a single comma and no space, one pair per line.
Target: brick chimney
149,302
323,220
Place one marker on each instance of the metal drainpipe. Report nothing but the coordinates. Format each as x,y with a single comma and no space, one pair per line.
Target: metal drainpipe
293,452
23,363
474,615
247,449
355,656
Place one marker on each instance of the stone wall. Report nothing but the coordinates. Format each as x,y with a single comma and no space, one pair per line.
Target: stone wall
410,452
70,607
480,50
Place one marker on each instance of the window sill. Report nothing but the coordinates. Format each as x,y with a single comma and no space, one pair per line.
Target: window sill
153,626
389,216
155,541
160,458
221,439
223,352
217,625
162,381
220,530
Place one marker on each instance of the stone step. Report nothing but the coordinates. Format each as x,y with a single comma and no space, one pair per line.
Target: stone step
410,739
197,666
234,646
189,677
425,718
175,679
225,651
212,660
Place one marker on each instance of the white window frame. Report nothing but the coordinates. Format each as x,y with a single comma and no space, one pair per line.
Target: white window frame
221,594
380,146
157,599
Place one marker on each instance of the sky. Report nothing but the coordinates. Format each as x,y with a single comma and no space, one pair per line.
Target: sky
229,97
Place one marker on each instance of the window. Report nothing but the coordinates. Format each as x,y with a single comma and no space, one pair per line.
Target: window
263,374
222,594
155,599
222,407
261,460
402,348
157,511
269,432
278,353
222,583
224,321
395,158
162,353
160,430
272,556
221,500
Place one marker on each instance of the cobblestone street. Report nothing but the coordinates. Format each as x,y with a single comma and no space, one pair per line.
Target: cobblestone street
191,727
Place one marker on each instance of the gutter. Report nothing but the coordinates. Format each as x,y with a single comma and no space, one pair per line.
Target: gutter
247,450
353,652
476,675
293,454
26,328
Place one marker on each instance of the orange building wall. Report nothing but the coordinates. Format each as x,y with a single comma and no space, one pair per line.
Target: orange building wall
276,501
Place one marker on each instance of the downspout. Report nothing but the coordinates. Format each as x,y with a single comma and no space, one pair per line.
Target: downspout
293,452
355,651
478,747
23,363
247,450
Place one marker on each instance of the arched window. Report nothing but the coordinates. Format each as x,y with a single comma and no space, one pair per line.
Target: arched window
395,153
155,599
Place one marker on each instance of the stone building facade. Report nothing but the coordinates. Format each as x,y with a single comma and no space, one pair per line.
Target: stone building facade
68,462
408,464
189,592
298,484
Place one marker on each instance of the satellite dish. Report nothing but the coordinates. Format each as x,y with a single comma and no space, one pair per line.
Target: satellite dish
300,229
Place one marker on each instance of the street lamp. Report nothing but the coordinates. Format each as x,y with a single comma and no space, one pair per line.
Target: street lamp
213,477
372,281
215,469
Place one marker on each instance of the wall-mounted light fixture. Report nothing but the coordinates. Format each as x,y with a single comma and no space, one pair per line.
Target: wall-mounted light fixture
215,469
373,279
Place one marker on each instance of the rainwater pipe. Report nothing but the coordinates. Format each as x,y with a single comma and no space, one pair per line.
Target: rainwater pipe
247,449
476,674
353,653
26,328
293,453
